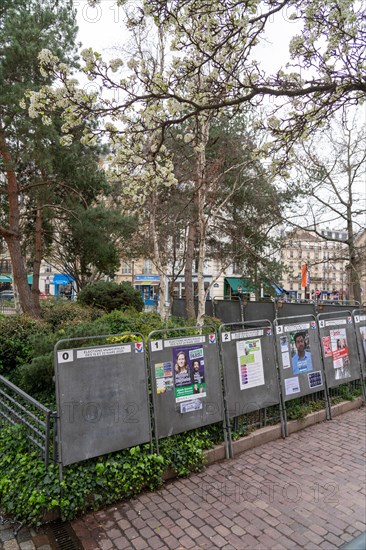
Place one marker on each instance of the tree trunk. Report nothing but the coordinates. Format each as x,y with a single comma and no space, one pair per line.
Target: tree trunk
12,234
203,132
37,257
20,278
354,279
162,308
188,281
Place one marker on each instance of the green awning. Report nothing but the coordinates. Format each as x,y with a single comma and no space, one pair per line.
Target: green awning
235,283
5,279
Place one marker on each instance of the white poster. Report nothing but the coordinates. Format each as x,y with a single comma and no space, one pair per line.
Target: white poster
292,385
250,363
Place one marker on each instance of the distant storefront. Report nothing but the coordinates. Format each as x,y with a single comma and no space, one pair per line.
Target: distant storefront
149,286
63,285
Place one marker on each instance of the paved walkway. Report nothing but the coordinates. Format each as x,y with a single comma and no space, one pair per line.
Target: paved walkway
308,491
27,539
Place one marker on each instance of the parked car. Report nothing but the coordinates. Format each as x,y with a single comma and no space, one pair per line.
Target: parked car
6,295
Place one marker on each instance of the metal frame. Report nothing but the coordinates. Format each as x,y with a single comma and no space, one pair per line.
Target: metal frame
300,318
153,380
341,314
97,337
243,324
14,412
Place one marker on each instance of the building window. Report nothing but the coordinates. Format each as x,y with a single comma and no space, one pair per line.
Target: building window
147,267
126,268
48,268
47,288
5,266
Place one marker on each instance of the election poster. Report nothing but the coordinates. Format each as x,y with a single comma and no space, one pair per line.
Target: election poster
338,342
250,363
189,372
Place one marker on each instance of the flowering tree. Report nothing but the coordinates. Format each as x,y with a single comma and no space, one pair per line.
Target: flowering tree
23,170
204,63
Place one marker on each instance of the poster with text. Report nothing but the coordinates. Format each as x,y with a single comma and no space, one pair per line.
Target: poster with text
250,363
164,377
189,373
327,348
338,342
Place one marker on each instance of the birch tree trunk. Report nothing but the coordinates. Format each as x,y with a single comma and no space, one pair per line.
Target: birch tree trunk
204,128
188,280
163,310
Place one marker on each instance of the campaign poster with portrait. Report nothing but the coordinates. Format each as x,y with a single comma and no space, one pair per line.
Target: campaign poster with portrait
338,342
250,363
301,359
189,373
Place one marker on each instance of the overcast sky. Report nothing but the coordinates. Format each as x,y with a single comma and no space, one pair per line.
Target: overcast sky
101,27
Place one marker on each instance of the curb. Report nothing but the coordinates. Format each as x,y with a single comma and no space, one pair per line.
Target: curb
271,433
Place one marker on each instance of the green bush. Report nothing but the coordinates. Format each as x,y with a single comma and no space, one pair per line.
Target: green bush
16,345
57,314
110,296
36,377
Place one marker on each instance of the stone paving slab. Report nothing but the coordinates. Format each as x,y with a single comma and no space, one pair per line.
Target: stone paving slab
307,491
27,539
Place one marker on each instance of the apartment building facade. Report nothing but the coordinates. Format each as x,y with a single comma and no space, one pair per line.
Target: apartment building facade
326,260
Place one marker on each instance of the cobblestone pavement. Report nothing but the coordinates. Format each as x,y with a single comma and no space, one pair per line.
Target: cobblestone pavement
307,491
27,539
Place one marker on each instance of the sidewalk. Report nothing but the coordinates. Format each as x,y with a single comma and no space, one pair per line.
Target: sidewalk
27,539
307,491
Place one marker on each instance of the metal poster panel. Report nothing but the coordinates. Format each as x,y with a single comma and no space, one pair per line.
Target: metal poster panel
359,319
249,363
299,356
285,309
259,310
179,308
339,346
102,398
334,308
186,382
229,311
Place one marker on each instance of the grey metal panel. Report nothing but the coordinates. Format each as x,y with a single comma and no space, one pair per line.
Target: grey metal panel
102,400
169,419
309,381
285,309
209,308
229,311
359,319
333,308
259,310
329,323
265,394
179,308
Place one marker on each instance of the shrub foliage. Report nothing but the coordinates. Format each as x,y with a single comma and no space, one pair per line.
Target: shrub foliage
109,296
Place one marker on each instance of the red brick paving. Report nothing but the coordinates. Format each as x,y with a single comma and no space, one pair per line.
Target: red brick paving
307,491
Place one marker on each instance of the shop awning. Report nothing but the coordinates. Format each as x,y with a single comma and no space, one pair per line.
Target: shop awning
5,279
144,280
239,285
62,279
